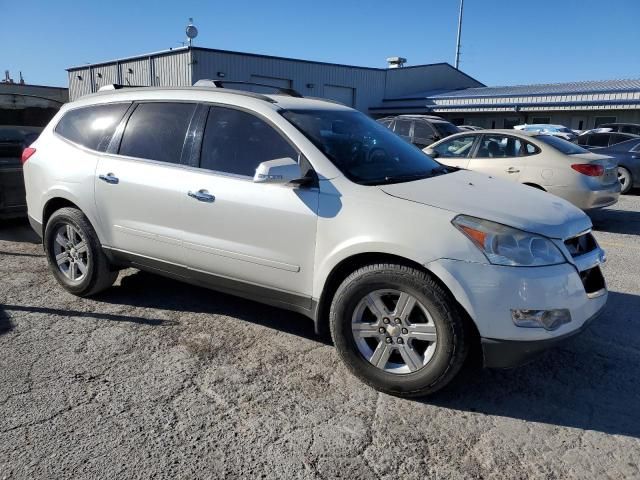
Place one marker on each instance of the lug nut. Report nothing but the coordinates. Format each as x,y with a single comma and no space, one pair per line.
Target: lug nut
405,331
398,320
399,340
389,340
381,330
385,320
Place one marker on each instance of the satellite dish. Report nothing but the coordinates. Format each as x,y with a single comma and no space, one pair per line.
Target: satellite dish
192,31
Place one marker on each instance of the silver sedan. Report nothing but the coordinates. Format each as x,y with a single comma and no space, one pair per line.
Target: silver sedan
586,179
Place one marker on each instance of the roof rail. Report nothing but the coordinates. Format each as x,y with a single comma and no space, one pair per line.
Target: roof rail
206,82
118,86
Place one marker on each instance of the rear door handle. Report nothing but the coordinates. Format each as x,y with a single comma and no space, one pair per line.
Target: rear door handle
109,178
512,170
202,196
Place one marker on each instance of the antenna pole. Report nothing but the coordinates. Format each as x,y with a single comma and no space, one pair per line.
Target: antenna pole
459,34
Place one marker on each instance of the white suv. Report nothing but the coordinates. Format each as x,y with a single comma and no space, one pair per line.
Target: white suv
314,207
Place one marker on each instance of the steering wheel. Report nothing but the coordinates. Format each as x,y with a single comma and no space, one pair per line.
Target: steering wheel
376,154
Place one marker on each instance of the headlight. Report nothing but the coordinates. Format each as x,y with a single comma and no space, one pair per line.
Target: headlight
504,245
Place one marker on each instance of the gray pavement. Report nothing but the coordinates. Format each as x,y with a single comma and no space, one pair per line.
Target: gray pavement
156,379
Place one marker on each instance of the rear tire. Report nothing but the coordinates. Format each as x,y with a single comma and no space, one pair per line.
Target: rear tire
409,347
75,254
625,179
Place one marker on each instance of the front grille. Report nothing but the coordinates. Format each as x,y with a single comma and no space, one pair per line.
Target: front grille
592,280
581,244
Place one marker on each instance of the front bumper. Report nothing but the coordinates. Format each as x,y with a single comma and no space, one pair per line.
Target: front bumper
512,353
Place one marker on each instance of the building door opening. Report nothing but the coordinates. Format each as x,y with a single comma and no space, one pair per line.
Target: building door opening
579,123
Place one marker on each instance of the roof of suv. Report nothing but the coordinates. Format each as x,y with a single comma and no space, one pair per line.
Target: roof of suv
209,94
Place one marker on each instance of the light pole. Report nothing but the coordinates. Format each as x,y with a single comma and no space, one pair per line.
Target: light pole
459,34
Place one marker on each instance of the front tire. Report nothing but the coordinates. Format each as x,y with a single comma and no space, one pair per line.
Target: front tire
75,254
625,179
398,330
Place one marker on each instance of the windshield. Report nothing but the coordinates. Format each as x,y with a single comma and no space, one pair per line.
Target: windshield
365,151
562,145
445,128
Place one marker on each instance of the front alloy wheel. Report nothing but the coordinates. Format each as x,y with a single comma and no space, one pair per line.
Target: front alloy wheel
394,331
398,330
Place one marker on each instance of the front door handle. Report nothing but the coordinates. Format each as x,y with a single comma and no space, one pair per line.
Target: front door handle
109,178
202,196
512,170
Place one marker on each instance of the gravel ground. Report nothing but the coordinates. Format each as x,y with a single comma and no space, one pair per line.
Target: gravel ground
156,379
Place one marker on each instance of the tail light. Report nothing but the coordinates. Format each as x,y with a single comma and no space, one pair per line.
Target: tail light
26,153
588,169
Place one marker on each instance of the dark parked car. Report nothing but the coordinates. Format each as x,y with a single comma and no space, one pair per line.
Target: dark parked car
13,140
623,127
602,137
627,155
421,130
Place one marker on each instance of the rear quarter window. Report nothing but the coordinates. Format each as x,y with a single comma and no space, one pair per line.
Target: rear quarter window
92,127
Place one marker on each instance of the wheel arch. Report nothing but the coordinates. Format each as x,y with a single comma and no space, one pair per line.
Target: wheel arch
351,263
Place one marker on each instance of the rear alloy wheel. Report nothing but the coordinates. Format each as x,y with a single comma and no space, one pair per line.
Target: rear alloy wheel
624,177
398,330
75,254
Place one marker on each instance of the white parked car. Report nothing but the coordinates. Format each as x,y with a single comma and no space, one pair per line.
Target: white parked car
312,206
555,130
539,160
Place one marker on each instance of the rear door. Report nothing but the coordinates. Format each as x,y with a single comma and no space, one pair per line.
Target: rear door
498,155
140,183
244,233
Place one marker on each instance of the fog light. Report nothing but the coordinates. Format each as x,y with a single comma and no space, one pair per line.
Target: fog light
547,319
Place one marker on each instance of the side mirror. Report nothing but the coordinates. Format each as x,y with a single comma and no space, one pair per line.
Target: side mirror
431,152
279,171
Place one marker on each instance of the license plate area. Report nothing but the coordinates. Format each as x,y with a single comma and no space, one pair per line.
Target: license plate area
593,281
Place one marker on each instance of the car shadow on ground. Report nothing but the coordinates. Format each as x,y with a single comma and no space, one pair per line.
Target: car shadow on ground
146,290
590,382
5,321
112,317
18,230
616,221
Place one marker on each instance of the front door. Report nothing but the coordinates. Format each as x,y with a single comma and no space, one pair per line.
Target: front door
248,235
139,188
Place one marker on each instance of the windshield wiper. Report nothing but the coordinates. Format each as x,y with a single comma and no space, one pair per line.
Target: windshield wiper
395,179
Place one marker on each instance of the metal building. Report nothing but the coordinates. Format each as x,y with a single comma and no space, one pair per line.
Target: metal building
436,88
578,105
360,87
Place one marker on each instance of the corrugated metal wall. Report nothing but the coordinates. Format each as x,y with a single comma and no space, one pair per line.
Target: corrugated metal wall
308,78
173,69
166,69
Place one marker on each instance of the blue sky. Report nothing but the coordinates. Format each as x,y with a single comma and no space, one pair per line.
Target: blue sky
504,41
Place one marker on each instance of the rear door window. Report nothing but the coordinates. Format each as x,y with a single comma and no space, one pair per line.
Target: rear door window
156,131
499,146
92,127
403,128
599,140
236,142
423,132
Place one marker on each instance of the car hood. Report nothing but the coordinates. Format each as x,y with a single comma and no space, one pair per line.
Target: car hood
501,201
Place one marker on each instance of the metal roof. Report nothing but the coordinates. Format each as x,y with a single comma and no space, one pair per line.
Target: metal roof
570,88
